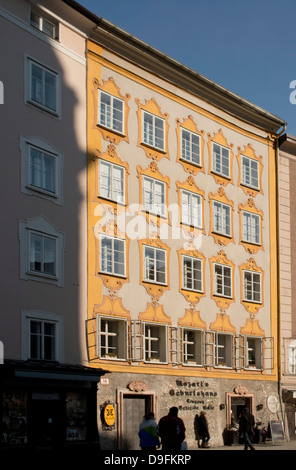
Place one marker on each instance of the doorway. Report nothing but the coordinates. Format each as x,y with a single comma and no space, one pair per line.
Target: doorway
46,423
235,404
131,410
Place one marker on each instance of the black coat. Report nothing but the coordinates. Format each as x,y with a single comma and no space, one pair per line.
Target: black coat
246,423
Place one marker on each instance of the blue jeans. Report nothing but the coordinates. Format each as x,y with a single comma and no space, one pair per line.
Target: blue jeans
248,443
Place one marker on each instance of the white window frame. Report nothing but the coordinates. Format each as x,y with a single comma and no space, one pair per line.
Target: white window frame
251,282
55,111
246,172
251,228
218,160
106,118
155,340
153,206
192,261
292,358
113,352
39,22
149,137
222,218
192,206
220,278
113,262
194,358
147,259
40,226
112,182
28,143
188,152
227,349
253,346
43,317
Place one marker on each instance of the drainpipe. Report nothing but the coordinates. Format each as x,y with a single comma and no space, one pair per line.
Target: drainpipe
279,329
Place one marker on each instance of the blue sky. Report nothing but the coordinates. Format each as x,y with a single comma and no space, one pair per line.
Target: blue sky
247,46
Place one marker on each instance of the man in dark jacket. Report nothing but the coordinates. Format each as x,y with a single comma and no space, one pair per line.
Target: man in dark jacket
171,430
203,429
246,428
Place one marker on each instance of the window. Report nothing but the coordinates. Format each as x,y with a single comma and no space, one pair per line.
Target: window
221,160
292,358
42,336
112,255
251,228
192,347
111,111
154,265
250,172
111,181
190,146
42,340
43,88
221,216
191,209
153,131
41,169
155,343
112,339
44,23
224,350
253,352
252,286
42,254
42,251
154,196
192,273
222,280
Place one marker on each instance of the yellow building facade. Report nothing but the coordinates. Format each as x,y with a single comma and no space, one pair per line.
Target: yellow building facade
182,243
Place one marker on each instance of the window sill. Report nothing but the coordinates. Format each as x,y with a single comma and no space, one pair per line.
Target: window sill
41,107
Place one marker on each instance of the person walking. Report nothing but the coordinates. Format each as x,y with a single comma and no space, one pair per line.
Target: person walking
246,428
149,439
171,430
203,429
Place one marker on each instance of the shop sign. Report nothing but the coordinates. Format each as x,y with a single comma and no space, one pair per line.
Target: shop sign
109,415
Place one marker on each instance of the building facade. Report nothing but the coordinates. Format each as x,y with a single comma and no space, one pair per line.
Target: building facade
182,246
46,388
286,172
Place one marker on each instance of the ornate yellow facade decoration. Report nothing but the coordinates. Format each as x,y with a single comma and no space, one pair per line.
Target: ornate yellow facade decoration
252,328
153,108
221,197
155,313
250,208
191,126
192,319
249,152
219,139
251,306
109,86
222,323
221,301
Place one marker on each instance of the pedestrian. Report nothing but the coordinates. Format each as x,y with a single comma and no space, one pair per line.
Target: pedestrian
203,429
247,428
171,430
149,439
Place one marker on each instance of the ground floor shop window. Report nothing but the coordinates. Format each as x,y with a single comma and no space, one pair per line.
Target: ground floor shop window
76,409
14,421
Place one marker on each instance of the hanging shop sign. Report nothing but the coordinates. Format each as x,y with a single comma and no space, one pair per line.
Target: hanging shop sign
109,415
